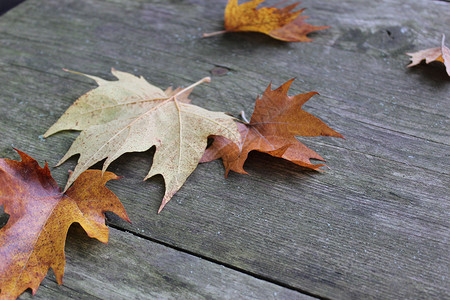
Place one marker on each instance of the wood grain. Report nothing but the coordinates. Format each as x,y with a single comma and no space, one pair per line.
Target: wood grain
376,225
130,267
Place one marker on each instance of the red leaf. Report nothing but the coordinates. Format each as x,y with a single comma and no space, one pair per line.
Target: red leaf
33,239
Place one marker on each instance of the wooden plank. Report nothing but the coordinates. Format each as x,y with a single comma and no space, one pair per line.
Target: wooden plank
376,225
130,267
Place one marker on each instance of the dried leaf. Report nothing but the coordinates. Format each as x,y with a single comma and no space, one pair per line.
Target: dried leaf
280,23
275,122
441,54
33,239
131,115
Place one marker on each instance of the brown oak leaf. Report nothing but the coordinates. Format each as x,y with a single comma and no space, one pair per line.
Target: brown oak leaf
32,241
275,122
280,23
441,54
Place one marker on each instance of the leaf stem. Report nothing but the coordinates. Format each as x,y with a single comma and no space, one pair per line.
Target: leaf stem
74,72
244,117
205,79
213,33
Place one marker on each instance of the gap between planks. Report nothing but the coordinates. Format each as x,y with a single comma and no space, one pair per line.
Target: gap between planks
217,262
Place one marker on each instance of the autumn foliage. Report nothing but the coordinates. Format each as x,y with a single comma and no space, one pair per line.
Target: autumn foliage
283,24
275,122
124,116
33,239
131,115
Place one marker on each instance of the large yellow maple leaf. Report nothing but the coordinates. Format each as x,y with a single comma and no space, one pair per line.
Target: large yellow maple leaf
130,115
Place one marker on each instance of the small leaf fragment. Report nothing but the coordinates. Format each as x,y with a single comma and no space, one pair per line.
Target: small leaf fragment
441,54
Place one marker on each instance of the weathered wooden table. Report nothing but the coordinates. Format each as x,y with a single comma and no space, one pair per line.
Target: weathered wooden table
374,226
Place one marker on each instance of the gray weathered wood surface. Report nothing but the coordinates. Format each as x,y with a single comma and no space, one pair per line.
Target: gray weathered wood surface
374,226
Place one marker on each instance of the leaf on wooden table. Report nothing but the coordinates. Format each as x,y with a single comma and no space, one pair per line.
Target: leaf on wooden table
130,115
275,122
32,241
280,23
441,54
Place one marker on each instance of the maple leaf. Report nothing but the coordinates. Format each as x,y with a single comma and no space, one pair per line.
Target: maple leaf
131,115
275,122
33,239
280,23
441,54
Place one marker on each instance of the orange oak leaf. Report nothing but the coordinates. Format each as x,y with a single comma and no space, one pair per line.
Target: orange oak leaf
441,54
280,23
275,122
33,239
